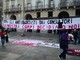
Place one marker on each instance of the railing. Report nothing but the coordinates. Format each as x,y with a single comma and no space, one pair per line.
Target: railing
66,4
40,7
69,4
7,10
16,9
77,3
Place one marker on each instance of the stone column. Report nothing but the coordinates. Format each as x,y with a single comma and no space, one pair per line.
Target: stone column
22,9
4,7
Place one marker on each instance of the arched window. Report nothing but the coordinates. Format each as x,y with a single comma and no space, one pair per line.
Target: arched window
13,17
63,14
28,16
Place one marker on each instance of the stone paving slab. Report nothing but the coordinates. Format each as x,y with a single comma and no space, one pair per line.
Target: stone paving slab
22,52
11,56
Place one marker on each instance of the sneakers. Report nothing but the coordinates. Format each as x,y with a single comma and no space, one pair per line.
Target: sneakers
59,58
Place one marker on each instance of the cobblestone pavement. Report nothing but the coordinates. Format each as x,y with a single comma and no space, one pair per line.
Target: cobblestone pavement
22,52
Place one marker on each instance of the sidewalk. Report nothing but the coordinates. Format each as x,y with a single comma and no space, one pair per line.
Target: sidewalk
22,52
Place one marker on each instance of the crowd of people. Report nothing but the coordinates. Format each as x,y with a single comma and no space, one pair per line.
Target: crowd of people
65,38
74,36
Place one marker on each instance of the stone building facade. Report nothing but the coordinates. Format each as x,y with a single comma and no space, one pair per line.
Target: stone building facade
40,9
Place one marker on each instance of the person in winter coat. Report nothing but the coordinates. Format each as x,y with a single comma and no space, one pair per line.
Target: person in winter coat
63,44
79,36
75,34
71,38
3,35
7,40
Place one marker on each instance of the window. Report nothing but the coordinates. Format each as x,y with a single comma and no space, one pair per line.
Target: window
12,6
50,14
17,2
51,2
38,14
7,0
19,5
28,1
38,0
7,5
28,5
77,0
63,14
78,12
12,0
63,0
39,4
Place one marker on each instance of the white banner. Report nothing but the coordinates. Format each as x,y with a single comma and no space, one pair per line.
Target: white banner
36,43
49,24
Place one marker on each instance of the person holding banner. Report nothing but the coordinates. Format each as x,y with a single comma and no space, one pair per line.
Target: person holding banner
60,26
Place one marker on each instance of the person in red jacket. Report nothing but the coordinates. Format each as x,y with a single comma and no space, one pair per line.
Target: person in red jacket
3,35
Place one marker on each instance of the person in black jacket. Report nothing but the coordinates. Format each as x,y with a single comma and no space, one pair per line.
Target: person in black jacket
75,34
63,44
79,36
7,40
60,27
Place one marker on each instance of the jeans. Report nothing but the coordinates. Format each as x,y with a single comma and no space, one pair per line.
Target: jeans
3,41
75,40
63,54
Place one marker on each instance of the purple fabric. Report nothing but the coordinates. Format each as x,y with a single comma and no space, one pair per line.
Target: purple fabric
64,36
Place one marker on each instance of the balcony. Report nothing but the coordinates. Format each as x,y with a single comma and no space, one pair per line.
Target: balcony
15,9
7,10
39,7
66,4
77,3
69,4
